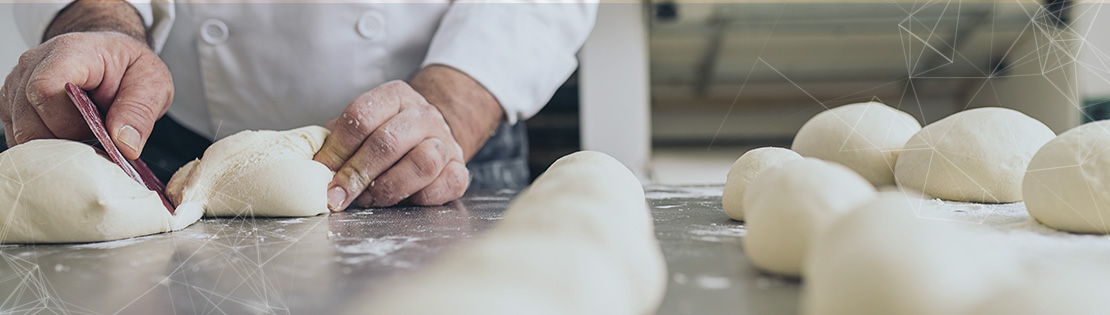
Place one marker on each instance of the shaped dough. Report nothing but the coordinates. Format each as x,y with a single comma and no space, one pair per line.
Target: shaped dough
257,173
1077,286
1067,180
865,137
744,170
790,204
61,191
977,155
580,240
882,259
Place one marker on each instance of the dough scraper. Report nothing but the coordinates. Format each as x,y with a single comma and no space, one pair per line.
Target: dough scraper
136,169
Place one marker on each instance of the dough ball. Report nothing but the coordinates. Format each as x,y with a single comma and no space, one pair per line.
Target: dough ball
882,259
1076,287
744,170
61,191
790,204
865,137
1067,181
977,155
257,173
579,240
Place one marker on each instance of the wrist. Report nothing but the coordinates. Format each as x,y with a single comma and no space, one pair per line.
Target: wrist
471,111
99,16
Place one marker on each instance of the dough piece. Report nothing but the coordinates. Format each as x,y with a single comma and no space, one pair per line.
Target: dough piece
882,259
257,173
1067,181
865,137
1076,287
744,170
977,155
788,205
61,191
580,240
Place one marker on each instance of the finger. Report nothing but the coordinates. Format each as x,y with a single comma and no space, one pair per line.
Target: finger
26,124
383,148
350,129
450,185
145,93
415,171
17,107
45,91
8,100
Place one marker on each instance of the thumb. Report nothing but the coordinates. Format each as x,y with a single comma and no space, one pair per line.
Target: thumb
145,93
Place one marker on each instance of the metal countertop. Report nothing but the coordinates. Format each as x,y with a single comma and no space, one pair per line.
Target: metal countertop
318,265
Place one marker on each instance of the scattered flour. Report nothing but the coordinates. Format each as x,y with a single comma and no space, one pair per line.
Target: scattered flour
374,248
292,221
718,233
1008,226
714,283
669,192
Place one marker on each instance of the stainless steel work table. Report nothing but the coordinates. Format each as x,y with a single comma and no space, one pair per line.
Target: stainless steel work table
319,265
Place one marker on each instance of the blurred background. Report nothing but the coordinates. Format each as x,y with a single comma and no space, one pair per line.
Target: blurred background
677,90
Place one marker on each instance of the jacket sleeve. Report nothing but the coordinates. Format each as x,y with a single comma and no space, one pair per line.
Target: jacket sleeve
520,52
32,18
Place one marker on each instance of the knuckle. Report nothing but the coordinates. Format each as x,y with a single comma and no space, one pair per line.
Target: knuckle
28,57
426,162
459,181
395,85
385,142
356,119
364,200
330,156
384,191
429,113
63,39
354,178
137,110
37,90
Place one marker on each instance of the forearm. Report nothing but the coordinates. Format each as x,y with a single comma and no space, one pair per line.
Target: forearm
98,15
469,109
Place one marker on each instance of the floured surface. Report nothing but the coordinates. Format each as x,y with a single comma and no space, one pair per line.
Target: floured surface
1009,225
318,265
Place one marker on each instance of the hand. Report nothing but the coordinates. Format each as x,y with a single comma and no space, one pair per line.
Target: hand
389,145
124,76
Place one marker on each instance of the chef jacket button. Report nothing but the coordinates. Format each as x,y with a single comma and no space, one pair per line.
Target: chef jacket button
213,31
371,25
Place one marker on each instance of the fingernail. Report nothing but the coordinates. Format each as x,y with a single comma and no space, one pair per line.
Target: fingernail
336,197
129,137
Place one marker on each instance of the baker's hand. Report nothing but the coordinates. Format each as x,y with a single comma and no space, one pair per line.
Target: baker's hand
389,145
122,74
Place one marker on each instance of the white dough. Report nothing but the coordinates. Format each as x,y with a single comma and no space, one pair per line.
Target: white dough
744,170
257,173
788,205
882,259
865,137
1078,286
977,155
1066,186
580,240
61,191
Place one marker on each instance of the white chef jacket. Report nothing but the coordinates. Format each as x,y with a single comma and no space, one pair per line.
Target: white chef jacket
244,66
